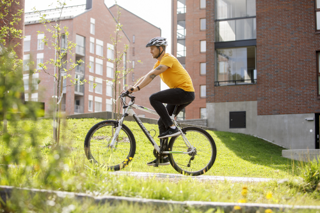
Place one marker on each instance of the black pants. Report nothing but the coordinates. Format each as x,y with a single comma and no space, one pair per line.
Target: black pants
171,97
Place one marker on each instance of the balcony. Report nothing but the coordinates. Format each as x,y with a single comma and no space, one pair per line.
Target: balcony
78,109
80,50
80,68
79,89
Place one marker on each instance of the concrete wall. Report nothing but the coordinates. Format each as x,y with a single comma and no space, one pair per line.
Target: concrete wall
287,130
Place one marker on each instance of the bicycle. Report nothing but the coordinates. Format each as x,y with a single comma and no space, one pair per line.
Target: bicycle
112,144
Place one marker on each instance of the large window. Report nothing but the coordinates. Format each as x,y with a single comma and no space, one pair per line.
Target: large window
40,41
90,104
318,14
92,45
181,48
26,43
202,24
236,66
110,51
202,4
181,6
203,91
203,68
109,89
91,83
108,105
203,47
109,70
39,60
98,88
97,104
99,47
92,25
80,41
26,60
91,68
99,66
181,30
235,20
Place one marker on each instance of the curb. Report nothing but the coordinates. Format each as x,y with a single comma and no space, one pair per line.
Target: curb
6,192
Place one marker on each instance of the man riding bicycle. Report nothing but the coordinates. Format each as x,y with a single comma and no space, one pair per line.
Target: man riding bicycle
181,90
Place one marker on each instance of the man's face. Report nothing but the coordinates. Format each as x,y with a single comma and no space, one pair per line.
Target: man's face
154,51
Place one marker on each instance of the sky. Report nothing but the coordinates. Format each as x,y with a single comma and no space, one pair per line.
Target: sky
158,14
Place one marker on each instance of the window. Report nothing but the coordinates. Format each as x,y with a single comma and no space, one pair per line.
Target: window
181,30
133,51
92,25
236,66
26,81
203,46
181,6
203,67
108,105
80,41
203,113
90,83
39,60
109,89
99,47
237,119
79,87
99,66
181,48
34,97
98,88
91,64
133,39
64,42
92,45
98,104
202,24
202,4
110,51
133,64
318,64
318,14
26,43
109,70
240,23
26,60
203,91
40,41
90,107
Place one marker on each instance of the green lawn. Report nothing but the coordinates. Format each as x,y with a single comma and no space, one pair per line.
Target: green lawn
237,154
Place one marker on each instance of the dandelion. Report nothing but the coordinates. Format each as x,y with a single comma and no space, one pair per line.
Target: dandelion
242,200
269,195
236,207
268,211
244,191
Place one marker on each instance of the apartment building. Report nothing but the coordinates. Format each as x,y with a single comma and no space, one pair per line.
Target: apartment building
262,69
90,26
189,46
140,32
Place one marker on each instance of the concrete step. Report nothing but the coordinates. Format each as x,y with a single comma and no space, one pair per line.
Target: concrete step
302,154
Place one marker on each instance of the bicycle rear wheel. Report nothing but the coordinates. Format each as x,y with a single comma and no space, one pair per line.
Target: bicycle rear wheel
204,156
96,145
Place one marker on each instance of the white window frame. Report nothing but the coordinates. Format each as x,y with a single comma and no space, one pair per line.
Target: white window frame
98,88
203,68
110,51
92,25
96,101
26,60
109,104
99,66
34,97
110,69
91,64
203,21
40,57
91,84
99,47
203,4
203,91
109,85
90,100
203,47
40,43
92,45
26,43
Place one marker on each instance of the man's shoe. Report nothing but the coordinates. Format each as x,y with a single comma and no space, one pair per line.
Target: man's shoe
164,162
170,133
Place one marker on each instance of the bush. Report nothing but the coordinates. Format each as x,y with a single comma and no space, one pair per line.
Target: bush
310,172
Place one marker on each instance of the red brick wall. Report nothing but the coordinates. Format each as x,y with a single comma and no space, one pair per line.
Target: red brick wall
143,31
286,60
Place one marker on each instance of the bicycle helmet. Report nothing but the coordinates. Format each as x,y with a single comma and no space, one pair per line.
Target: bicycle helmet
158,42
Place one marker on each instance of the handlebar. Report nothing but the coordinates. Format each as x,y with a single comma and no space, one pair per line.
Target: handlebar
127,94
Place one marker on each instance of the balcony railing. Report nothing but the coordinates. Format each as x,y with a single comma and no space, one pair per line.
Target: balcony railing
79,89
235,82
80,50
80,68
78,109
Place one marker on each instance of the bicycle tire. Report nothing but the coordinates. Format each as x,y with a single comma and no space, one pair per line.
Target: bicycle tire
197,138
97,150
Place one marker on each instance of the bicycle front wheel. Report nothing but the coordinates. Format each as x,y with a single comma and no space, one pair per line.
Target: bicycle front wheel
204,155
97,147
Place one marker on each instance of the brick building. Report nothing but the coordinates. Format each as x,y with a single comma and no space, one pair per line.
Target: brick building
90,26
189,46
140,32
262,71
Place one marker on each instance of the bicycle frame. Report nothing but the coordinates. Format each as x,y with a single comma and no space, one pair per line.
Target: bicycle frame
129,111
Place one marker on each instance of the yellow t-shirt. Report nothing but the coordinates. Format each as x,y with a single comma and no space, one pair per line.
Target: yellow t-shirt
175,76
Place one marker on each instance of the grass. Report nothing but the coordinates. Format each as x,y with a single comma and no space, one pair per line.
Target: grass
238,155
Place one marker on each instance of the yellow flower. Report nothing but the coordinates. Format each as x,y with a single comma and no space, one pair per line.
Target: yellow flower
242,201
130,158
268,211
245,187
244,192
269,195
236,207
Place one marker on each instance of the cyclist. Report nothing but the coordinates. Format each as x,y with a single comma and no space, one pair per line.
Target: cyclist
181,90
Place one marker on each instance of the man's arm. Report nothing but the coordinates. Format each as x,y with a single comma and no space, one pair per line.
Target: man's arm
149,77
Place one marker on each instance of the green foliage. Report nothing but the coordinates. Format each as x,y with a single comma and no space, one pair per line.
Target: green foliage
310,172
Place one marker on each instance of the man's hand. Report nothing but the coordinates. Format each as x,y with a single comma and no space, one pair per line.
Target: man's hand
132,89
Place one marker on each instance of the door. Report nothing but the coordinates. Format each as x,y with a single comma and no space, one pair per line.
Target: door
317,121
